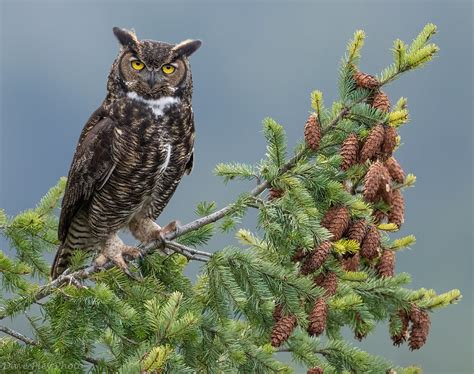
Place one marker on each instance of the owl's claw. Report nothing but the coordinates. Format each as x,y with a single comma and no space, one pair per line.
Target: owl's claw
115,250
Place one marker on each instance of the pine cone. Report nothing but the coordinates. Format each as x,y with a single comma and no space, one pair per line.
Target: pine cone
282,330
315,370
389,141
386,266
358,334
372,181
351,263
385,185
381,101
312,132
395,170
370,245
417,315
397,210
420,328
373,143
317,258
318,317
298,255
357,230
379,216
327,281
275,193
329,216
277,312
365,80
339,221
349,151
403,335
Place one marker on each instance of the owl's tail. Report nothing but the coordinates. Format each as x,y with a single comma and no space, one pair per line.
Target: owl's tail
61,262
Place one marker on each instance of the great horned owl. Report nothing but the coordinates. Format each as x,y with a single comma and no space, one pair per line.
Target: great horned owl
132,152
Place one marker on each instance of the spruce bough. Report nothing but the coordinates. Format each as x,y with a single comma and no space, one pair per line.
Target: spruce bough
320,259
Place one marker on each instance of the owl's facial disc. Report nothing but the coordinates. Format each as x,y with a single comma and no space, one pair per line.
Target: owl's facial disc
151,79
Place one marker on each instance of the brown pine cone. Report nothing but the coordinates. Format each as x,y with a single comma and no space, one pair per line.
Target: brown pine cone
318,317
329,216
274,193
389,141
370,245
397,210
298,255
385,186
365,80
316,258
420,328
349,151
379,216
373,143
357,230
351,263
360,335
381,101
315,370
327,281
417,315
282,330
395,170
277,312
312,132
372,181
403,335
339,222
386,266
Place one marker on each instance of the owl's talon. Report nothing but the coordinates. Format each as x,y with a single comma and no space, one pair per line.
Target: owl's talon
115,250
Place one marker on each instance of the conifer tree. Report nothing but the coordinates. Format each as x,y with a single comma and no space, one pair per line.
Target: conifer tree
321,258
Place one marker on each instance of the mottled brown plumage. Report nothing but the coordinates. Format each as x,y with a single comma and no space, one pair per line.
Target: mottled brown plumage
132,152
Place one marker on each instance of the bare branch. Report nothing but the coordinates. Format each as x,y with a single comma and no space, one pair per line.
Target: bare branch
17,335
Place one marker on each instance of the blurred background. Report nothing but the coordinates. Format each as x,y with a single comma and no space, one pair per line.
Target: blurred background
259,59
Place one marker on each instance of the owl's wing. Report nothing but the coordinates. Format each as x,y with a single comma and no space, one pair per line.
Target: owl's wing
91,167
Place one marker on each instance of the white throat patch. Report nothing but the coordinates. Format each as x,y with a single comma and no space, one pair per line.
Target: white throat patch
157,106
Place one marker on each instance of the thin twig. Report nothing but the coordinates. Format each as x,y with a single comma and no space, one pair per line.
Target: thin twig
17,335
30,341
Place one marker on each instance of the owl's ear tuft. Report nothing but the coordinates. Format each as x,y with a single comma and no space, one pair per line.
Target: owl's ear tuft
187,47
126,38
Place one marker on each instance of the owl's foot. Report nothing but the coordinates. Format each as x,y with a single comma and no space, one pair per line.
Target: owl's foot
114,250
147,231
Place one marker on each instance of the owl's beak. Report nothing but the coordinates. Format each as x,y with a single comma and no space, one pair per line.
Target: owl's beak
152,78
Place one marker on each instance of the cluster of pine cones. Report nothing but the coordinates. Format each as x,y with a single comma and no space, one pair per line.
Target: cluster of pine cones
420,328
383,172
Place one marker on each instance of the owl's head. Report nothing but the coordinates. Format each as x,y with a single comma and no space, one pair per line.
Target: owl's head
151,69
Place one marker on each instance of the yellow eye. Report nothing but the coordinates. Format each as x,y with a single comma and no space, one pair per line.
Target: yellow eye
168,69
137,65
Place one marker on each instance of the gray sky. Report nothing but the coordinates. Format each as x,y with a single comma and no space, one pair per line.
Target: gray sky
259,59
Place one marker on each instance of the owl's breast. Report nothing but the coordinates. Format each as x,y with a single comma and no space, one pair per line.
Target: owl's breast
151,150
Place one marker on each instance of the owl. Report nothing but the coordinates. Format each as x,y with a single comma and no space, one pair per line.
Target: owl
132,153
